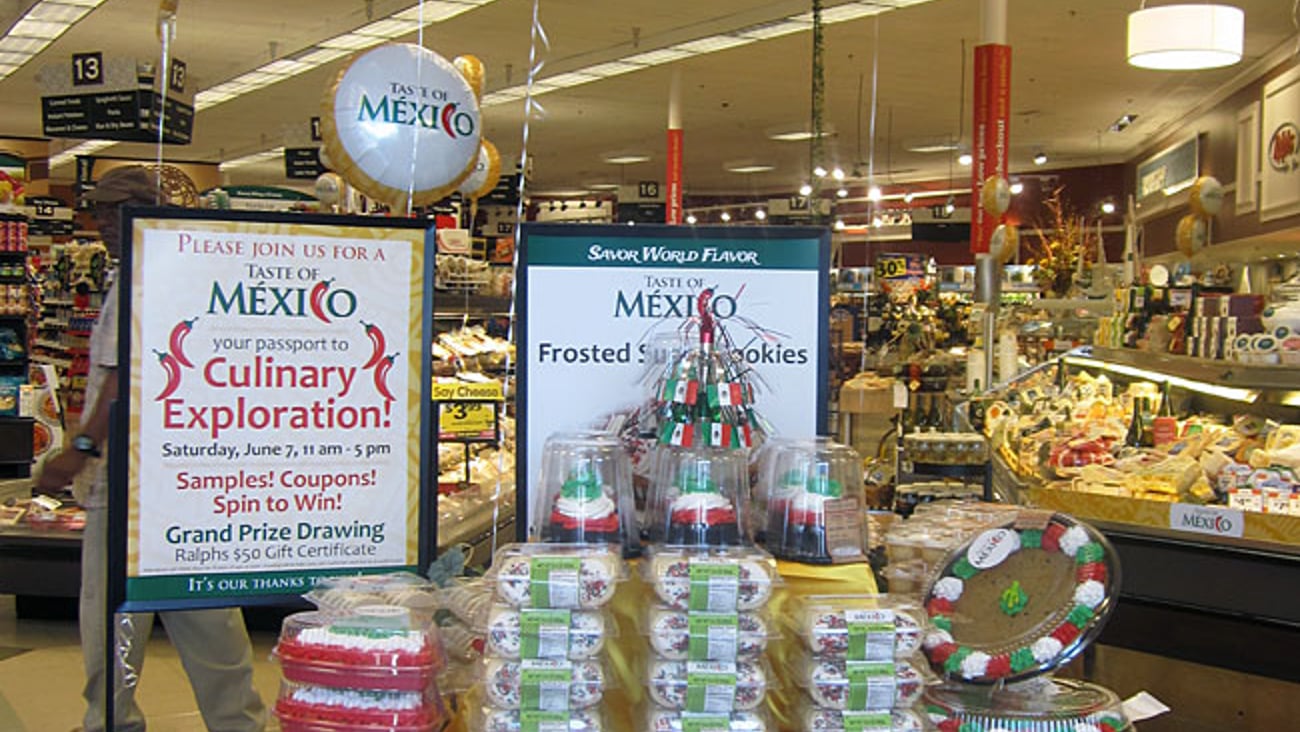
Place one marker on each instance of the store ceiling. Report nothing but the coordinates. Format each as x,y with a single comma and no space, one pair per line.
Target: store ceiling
1069,82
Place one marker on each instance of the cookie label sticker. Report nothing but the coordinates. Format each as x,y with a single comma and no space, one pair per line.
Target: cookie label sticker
710,687
555,581
714,586
544,685
868,722
992,547
871,685
535,721
713,636
705,723
871,635
544,633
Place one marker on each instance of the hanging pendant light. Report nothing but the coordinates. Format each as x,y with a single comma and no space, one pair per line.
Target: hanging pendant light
1185,37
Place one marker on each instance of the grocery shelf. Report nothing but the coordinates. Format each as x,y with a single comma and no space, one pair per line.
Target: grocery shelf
1222,373
456,305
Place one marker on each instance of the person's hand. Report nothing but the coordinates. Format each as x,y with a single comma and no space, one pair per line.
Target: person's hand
59,470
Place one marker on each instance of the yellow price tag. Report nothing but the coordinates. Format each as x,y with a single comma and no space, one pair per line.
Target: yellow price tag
891,267
467,420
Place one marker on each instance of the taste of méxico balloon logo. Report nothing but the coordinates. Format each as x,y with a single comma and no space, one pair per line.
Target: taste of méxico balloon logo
1282,148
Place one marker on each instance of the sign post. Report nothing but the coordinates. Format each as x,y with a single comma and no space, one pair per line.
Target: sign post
275,409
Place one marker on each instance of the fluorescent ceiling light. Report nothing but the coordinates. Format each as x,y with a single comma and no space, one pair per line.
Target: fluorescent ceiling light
389,28
712,44
660,56
83,3
37,28
1226,392
564,81
286,67
611,68
797,135
935,147
774,30
603,186
16,59
86,148
434,11
1184,37
30,46
321,56
351,41
851,11
504,96
626,158
57,12
252,159
748,167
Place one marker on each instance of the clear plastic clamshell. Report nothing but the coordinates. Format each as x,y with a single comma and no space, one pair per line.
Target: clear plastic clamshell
707,686
544,685
697,498
310,708
373,647
815,503
1039,705
586,491
714,580
545,633
663,720
680,635
348,592
514,720
860,627
817,719
559,576
834,683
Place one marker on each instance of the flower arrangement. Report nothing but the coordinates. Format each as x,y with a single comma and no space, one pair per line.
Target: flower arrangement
1063,250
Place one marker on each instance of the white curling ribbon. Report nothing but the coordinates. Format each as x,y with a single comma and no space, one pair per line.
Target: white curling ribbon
949,588
1045,649
975,665
1073,538
1090,593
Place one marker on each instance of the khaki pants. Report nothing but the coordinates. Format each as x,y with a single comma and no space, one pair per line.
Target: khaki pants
213,646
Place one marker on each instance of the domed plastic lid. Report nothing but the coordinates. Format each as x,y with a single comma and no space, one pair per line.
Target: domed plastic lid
697,495
1020,599
1040,705
586,492
814,503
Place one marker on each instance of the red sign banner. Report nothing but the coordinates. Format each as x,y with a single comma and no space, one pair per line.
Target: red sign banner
990,134
673,176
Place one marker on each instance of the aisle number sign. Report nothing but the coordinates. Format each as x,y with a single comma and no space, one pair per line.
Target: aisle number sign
275,406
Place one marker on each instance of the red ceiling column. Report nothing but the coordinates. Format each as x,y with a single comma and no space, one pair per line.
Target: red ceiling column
673,171
992,117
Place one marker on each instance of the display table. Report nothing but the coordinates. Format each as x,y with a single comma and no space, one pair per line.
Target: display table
625,706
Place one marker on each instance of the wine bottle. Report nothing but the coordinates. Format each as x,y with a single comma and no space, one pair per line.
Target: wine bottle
1133,437
1148,432
977,408
935,419
1164,428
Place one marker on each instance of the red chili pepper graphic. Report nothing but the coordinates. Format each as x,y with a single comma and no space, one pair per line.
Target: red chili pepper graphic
377,343
318,299
176,343
1283,146
173,370
447,112
381,376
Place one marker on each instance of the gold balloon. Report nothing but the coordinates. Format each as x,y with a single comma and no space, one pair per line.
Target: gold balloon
471,68
1004,243
1191,234
1207,196
493,171
995,195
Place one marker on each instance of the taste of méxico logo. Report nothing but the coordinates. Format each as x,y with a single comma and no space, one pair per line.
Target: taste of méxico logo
1283,154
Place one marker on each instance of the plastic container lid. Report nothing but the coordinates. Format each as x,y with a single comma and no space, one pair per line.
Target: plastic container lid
544,633
585,492
1021,599
697,497
557,575
715,580
679,635
663,720
860,627
544,685
468,599
815,503
404,589
861,685
707,686
513,720
304,707
461,642
371,648
817,719
1038,705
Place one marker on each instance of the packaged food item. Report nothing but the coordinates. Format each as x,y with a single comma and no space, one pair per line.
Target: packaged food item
308,708
374,647
556,575
715,580
403,589
906,578
513,720
1042,705
678,635
586,491
814,503
544,633
696,498
707,686
663,720
861,685
860,627
467,599
544,685
817,719
1020,599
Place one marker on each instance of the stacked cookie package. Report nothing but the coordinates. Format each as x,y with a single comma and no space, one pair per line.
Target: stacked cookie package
861,668
707,629
545,633
367,659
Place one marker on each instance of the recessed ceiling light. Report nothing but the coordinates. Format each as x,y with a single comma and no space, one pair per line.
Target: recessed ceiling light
1122,123
760,214
907,197
1108,207
797,134
626,158
842,193
838,174
839,224
1040,158
965,159
725,216
805,190
819,171
748,166
1017,188
690,219
603,186
874,194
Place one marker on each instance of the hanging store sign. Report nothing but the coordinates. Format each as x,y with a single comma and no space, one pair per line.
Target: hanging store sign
302,163
600,308
402,124
992,107
114,98
274,406
1279,179
1168,171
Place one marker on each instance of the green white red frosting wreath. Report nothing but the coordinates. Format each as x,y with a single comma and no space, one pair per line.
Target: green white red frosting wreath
1090,591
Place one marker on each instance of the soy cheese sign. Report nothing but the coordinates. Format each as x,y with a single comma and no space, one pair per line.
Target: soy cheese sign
602,305
274,405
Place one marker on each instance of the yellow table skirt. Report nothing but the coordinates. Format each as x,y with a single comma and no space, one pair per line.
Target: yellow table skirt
626,705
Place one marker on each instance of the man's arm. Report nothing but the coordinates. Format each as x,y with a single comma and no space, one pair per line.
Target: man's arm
60,469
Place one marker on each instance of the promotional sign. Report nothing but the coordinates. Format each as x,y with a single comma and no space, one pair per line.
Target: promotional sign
275,405
601,309
673,174
1279,178
1169,170
108,99
992,107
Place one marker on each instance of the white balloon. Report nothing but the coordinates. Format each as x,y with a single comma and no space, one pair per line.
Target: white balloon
329,186
479,175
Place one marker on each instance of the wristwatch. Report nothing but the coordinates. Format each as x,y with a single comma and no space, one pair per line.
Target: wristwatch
85,444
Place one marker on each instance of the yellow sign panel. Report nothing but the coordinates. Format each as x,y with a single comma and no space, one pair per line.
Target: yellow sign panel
463,391
467,420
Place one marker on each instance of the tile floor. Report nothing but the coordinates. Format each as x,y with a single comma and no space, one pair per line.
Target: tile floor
40,689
